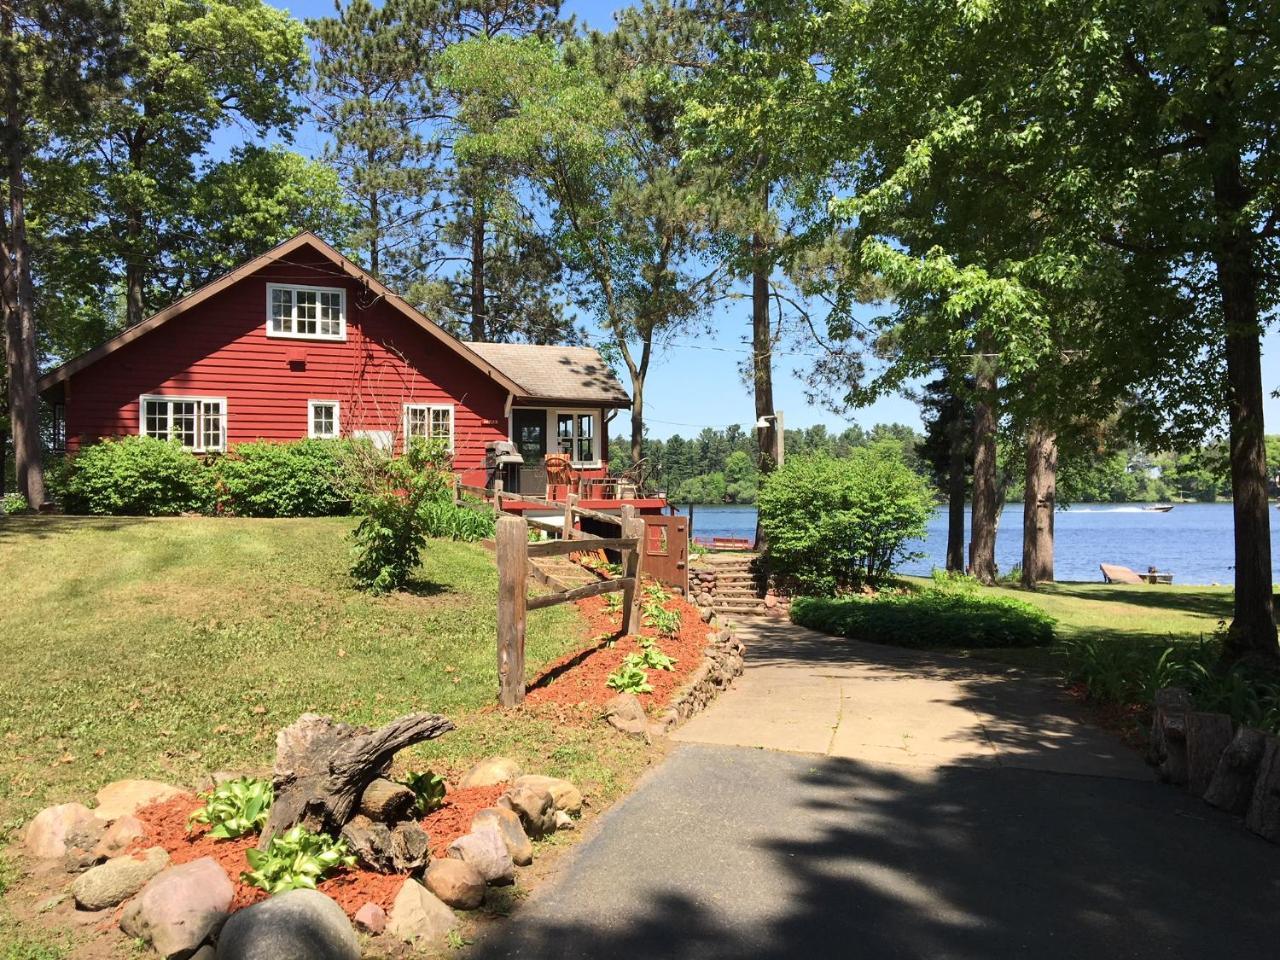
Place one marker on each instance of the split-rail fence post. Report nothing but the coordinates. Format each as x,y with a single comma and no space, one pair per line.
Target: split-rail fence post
512,542
632,526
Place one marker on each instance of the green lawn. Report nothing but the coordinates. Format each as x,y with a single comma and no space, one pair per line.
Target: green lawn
1114,611
168,648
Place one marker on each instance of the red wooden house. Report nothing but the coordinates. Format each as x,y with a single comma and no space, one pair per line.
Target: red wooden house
301,342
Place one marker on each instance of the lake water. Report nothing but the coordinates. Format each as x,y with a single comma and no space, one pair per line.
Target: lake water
1193,541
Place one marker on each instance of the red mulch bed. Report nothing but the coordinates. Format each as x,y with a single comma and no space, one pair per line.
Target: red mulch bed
167,827
579,677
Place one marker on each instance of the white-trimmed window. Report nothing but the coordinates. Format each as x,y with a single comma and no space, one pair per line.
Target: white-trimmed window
309,313
431,420
199,423
576,436
323,422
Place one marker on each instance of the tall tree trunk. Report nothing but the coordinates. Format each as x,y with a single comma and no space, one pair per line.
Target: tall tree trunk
479,315
986,508
1252,635
375,236
956,487
762,359
19,317
637,416
1039,501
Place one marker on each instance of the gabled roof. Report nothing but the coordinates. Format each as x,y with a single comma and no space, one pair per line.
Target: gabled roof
304,239
574,374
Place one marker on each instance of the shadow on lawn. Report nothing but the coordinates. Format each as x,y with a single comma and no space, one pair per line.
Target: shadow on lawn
1211,602
42,527
730,853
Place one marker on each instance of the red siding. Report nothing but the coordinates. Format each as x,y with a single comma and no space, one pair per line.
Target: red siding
220,348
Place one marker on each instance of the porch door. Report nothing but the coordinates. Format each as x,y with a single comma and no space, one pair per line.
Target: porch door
529,431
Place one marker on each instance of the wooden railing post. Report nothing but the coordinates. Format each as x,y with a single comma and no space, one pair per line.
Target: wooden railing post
570,502
497,494
632,526
512,539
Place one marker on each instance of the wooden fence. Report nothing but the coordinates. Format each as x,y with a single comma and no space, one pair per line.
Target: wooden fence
514,551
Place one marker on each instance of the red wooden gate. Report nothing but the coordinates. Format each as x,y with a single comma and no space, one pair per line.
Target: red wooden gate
666,554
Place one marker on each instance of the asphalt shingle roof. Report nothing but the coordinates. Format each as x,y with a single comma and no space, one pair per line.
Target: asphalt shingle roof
557,373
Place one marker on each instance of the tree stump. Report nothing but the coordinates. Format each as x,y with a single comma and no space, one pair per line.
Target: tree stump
1169,734
322,767
1208,735
1232,786
1264,810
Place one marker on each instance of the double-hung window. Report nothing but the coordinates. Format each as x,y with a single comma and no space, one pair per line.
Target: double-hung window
432,421
309,313
198,423
576,436
322,419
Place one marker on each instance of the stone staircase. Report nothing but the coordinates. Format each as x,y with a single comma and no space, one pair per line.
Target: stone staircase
734,587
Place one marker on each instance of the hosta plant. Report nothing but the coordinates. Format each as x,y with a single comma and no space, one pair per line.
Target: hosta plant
613,602
631,677
666,622
655,593
428,788
235,808
295,859
655,659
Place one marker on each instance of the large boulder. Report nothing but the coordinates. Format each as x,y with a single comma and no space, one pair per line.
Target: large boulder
485,851
118,879
297,925
129,796
490,773
508,825
46,836
564,795
180,907
457,883
419,916
625,713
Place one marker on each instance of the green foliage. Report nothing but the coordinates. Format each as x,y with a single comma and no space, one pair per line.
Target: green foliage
235,808
831,524
12,503
666,622
136,476
653,658
390,494
302,478
631,676
295,859
443,519
929,619
653,591
613,602
428,789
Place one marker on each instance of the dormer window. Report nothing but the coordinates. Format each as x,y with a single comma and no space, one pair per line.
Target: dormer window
306,313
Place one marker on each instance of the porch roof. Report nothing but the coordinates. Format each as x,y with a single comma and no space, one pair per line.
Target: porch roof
551,373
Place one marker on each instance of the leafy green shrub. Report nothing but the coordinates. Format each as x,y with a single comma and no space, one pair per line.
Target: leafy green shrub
302,478
12,503
428,788
294,859
443,520
235,807
630,677
136,476
654,659
930,618
666,622
831,524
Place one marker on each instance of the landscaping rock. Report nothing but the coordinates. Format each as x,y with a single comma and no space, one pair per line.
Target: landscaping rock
371,918
564,795
46,836
490,773
509,827
625,713
1232,786
387,801
419,915
1264,811
1208,735
119,835
485,851
180,907
297,925
1169,734
81,844
564,821
117,880
457,883
205,953
129,796
534,807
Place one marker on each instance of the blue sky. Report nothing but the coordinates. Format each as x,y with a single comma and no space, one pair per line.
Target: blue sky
696,382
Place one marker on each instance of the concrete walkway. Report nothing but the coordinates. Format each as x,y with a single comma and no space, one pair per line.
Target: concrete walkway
845,800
